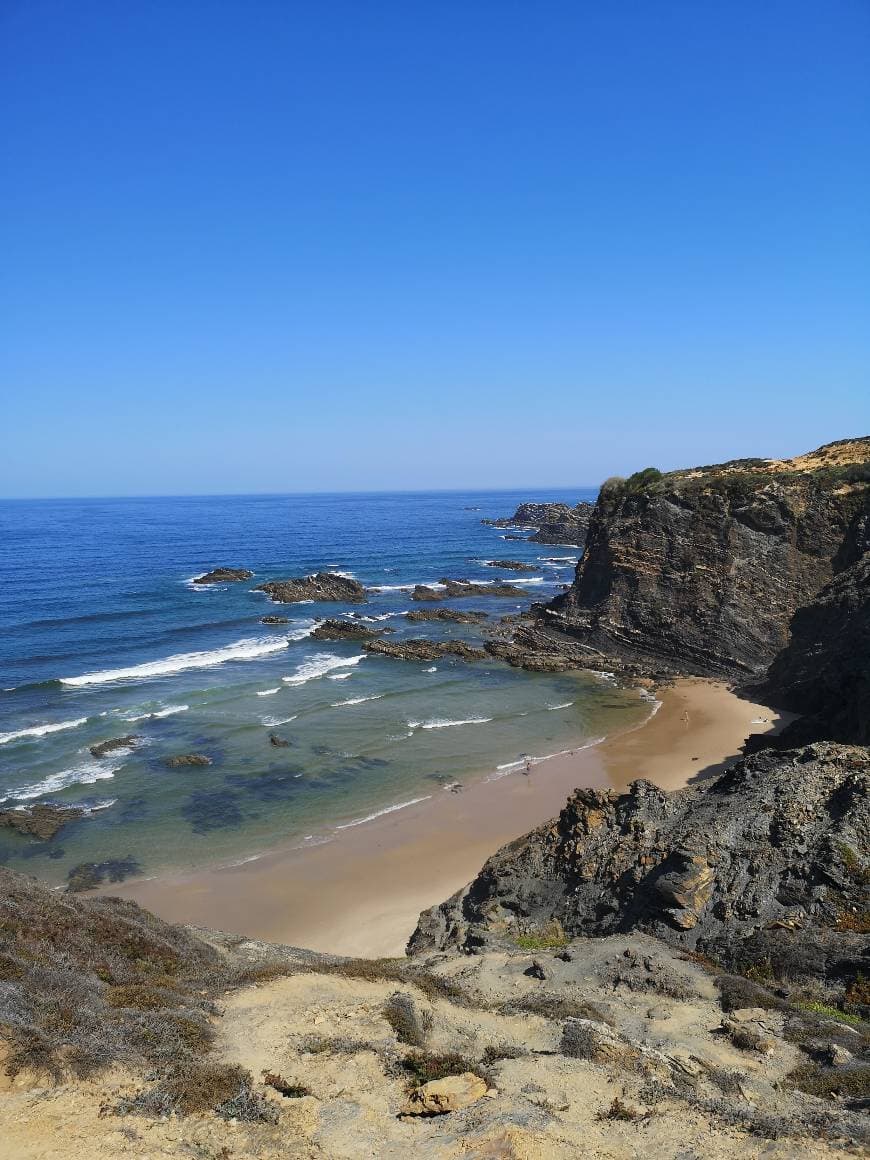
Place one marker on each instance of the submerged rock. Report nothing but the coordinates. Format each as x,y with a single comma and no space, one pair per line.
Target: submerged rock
274,620
104,747
183,759
90,875
278,741
223,576
418,649
42,821
319,586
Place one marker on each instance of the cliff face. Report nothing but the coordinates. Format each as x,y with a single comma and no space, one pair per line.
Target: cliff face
703,569
824,672
769,862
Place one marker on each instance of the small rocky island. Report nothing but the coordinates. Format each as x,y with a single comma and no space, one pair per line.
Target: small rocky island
453,588
344,630
223,576
555,523
318,586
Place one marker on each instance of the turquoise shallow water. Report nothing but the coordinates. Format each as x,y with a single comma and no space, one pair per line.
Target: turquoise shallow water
102,634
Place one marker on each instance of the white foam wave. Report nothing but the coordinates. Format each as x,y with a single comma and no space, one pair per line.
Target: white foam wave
167,711
564,705
557,559
526,580
85,774
273,722
444,723
431,669
504,770
339,676
269,692
33,731
319,665
382,616
380,813
240,650
356,700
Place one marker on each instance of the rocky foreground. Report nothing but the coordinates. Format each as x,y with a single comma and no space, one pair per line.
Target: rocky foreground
124,1036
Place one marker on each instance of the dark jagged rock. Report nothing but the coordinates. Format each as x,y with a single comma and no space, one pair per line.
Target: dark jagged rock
223,576
457,615
319,586
345,630
770,859
103,747
183,759
554,523
424,650
278,741
824,672
512,565
702,570
274,620
42,820
426,592
458,588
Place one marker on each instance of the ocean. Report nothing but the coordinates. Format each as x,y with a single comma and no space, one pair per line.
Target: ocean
103,634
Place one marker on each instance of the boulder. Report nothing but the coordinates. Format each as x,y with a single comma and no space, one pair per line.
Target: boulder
451,1094
343,630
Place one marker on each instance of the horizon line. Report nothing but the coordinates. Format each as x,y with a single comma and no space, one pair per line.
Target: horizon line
282,494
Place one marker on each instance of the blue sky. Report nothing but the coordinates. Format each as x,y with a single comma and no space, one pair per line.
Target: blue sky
251,245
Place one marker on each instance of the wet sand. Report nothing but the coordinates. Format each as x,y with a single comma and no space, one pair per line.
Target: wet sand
361,893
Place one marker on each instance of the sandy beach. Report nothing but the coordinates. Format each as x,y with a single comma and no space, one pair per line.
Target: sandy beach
361,893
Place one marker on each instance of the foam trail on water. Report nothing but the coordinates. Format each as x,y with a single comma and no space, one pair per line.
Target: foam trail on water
40,730
269,692
84,774
319,665
273,722
380,813
356,700
443,723
167,711
240,650
565,705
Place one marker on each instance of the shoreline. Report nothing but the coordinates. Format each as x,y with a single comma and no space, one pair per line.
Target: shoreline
361,893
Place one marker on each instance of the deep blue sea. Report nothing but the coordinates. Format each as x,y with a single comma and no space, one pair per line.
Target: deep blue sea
102,634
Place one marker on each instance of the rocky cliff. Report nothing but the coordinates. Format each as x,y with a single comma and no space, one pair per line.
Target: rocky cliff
553,523
769,863
703,569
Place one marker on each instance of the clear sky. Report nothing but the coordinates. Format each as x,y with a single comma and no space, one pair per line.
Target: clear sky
268,245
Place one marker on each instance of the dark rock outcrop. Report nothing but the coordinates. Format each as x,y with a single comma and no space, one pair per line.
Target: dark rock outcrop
103,747
319,586
456,615
185,759
223,576
554,523
274,620
452,589
344,630
771,859
418,649
511,565
42,820
703,569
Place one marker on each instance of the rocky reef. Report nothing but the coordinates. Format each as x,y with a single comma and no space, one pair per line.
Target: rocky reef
451,589
319,586
456,615
420,649
223,576
511,565
554,523
43,820
770,862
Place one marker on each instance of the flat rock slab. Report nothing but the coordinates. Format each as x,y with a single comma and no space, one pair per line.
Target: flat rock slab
451,1094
